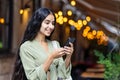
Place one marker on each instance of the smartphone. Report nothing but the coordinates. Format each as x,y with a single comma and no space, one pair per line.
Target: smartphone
70,39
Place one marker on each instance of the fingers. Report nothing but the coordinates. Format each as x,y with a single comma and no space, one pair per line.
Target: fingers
59,53
69,50
71,44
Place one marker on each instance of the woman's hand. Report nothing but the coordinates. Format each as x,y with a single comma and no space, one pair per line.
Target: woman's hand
69,49
58,53
55,54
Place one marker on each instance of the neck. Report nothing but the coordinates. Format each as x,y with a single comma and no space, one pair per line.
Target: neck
40,38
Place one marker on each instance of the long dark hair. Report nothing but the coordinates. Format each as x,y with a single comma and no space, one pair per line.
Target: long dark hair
31,31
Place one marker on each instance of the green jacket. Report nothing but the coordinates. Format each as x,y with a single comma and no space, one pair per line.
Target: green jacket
33,56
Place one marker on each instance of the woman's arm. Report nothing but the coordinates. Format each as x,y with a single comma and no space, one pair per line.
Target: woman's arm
67,61
64,67
32,71
68,51
56,54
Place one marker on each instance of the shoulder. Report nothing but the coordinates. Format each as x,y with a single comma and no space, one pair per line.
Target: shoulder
26,45
26,49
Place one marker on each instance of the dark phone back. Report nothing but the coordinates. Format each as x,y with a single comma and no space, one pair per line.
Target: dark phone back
69,40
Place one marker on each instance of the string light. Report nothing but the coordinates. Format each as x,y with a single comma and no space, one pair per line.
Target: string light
73,3
87,32
94,32
69,12
84,22
60,13
65,19
2,20
21,11
88,18
71,22
56,15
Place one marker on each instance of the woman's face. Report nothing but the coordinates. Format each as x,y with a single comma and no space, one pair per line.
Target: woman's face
47,25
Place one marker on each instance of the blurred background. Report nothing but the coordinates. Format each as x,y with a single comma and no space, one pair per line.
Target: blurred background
95,24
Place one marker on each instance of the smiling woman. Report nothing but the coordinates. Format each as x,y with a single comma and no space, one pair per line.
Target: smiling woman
38,59
48,25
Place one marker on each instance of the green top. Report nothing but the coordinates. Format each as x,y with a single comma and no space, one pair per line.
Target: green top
33,56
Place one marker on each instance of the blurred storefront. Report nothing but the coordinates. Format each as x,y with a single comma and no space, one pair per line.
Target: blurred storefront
6,23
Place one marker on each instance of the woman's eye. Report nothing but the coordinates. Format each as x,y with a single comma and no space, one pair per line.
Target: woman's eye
47,22
50,22
53,23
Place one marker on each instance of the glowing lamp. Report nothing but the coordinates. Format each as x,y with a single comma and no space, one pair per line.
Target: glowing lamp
88,18
73,3
21,11
60,13
69,12
2,20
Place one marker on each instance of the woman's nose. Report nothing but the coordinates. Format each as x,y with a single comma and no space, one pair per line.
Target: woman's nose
51,26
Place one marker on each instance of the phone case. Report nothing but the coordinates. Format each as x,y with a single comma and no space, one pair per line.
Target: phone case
69,40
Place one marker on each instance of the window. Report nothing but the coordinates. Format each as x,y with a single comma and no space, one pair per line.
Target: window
5,24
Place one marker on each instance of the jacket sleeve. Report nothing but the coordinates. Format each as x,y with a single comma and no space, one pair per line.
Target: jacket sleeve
62,70
32,71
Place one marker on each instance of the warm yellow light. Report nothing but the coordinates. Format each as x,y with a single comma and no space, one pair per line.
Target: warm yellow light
67,30
94,32
65,19
88,18
56,15
57,20
2,20
79,21
99,42
73,3
25,16
90,36
99,34
78,27
103,40
87,28
75,24
106,38
69,12
85,32
84,35
60,13
84,22
21,11
71,22
61,17
61,22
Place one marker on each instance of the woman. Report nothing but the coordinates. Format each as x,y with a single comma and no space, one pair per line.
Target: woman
40,57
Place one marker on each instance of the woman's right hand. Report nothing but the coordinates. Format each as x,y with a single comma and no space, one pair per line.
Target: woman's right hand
58,53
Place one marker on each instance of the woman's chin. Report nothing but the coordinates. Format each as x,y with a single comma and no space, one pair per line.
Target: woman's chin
47,35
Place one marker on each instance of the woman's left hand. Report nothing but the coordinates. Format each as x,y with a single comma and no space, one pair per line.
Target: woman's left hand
69,49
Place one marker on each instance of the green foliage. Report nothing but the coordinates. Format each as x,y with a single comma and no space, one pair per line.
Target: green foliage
1,45
111,63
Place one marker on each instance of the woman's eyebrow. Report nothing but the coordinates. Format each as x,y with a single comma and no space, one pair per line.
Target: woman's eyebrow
49,20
